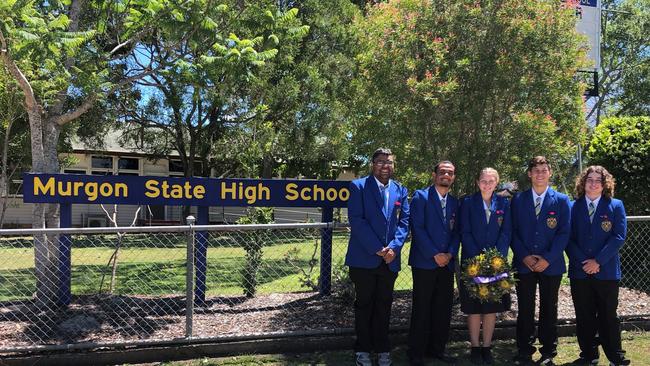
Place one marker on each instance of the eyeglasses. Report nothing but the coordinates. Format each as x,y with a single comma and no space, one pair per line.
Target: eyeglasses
594,181
450,173
383,162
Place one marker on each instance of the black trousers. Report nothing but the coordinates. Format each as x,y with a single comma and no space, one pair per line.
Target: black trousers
595,302
374,298
548,297
433,291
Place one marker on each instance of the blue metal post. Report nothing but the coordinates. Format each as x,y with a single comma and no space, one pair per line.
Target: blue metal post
65,261
201,255
325,282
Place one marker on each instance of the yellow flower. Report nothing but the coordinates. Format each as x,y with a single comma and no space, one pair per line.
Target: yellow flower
472,270
483,291
497,263
481,257
504,284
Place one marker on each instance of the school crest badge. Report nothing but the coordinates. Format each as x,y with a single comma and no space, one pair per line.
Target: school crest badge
551,222
606,225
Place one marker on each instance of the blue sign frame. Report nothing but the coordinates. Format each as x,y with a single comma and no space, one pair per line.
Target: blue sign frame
171,191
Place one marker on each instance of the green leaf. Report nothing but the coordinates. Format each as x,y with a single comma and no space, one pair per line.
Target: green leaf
53,47
26,35
60,22
210,24
178,15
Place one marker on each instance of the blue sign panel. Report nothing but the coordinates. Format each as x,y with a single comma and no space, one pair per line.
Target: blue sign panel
592,3
132,190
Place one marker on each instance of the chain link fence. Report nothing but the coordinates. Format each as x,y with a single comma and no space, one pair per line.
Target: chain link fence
129,286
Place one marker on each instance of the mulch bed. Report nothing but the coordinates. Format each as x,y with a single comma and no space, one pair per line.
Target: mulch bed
110,319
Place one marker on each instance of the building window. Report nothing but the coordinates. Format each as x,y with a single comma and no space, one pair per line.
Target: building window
176,168
128,164
15,187
102,162
74,171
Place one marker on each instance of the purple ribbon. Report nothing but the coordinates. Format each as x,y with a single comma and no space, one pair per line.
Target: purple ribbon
483,280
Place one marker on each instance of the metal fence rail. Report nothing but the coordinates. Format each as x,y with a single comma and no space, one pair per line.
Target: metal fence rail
139,285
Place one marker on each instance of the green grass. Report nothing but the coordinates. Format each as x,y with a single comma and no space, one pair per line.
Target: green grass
161,271
636,344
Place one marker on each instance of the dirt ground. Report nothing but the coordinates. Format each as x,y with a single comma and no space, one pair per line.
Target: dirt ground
110,319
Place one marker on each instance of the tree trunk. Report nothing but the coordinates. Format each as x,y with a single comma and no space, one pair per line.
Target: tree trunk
46,254
4,177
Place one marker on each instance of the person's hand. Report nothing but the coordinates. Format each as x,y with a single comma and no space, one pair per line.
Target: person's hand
590,266
389,256
382,252
541,264
442,259
530,261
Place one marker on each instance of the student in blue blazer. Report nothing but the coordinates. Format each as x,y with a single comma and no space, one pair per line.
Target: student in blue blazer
485,223
434,248
378,211
598,229
540,233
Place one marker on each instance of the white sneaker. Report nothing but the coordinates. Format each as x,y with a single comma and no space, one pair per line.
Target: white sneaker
383,359
363,359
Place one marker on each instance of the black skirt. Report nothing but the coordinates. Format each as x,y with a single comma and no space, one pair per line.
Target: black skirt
470,305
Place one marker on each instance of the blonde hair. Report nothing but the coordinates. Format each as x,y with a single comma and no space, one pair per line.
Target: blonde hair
488,171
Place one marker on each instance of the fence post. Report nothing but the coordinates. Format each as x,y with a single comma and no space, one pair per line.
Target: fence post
325,283
65,260
203,213
189,279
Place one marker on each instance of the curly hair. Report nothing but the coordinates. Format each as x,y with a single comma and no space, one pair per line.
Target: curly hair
605,176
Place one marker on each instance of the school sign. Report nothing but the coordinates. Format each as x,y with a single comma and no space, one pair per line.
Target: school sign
139,190
68,189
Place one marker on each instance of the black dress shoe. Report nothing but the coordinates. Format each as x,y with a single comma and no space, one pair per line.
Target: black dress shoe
475,356
623,362
546,361
443,357
486,354
416,362
522,360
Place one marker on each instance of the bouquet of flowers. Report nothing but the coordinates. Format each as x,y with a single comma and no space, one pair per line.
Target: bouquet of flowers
488,276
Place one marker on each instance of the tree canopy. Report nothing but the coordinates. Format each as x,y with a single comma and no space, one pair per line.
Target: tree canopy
479,83
622,146
625,61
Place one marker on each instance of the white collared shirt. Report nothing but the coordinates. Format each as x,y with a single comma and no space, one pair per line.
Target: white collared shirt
535,195
440,197
594,201
386,188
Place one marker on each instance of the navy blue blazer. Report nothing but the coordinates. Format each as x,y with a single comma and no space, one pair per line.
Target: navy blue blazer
431,234
477,234
546,236
370,229
600,239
